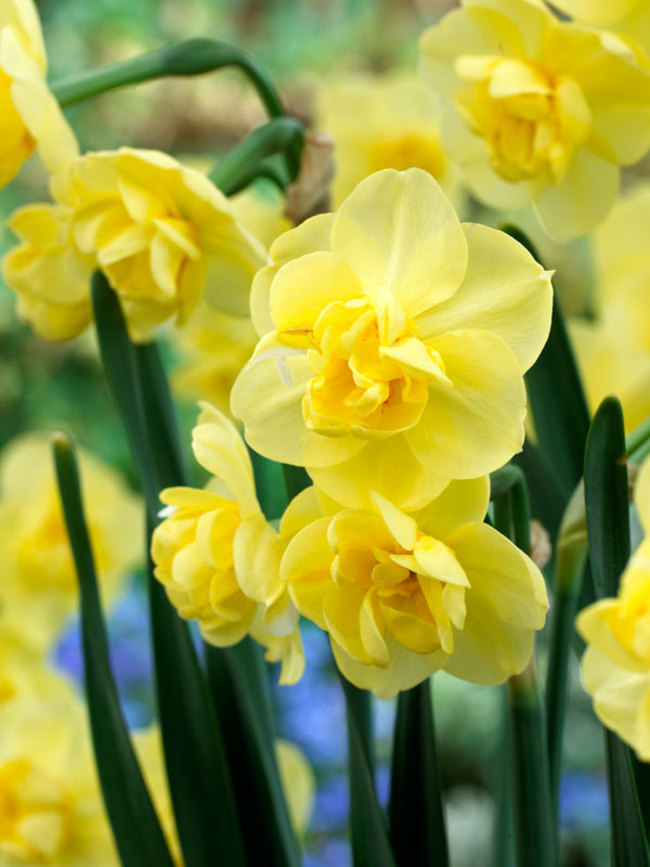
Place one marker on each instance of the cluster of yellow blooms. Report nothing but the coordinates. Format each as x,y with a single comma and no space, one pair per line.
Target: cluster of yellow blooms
388,342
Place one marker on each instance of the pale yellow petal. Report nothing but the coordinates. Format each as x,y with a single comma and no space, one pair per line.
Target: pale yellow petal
401,236
305,567
462,501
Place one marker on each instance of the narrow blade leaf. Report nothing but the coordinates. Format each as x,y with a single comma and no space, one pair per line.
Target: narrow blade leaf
138,835
417,824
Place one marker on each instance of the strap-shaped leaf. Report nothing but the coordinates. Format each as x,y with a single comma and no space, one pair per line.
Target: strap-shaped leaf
237,676
136,829
199,778
556,396
607,498
369,833
417,823
239,689
608,533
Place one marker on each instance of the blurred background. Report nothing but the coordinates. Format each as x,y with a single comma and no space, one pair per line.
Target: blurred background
305,45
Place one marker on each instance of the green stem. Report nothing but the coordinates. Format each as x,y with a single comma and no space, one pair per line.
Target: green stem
534,826
280,135
186,58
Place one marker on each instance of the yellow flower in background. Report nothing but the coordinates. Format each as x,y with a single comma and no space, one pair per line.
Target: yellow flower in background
49,275
403,595
39,586
164,236
613,347
51,809
214,346
387,122
30,115
541,110
616,665
217,556
298,781
629,18
395,336
24,673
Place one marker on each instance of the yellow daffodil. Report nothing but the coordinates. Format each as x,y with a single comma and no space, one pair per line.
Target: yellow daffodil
616,664
51,809
394,336
388,122
541,110
214,346
30,115
217,556
403,595
613,346
24,673
163,235
39,585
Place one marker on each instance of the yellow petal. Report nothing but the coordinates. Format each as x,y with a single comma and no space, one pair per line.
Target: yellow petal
305,567
436,560
257,552
401,237
504,291
486,406
462,501
403,528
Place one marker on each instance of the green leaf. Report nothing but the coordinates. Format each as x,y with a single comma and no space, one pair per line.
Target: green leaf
608,532
368,830
629,844
535,836
138,835
417,823
547,501
237,676
607,498
197,770
197,767
269,484
642,779
240,691
295,480
556,396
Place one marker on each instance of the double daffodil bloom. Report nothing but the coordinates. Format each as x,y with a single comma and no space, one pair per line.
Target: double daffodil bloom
616,665
51,809
385,122
163,234
39,586
217,556
30,115
542,110
403,595
394,337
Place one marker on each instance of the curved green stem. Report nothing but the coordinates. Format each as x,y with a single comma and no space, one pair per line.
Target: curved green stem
186,58
280,135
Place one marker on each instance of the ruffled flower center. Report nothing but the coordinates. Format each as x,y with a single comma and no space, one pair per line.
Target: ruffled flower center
36,814
413,147
532,119
371,372
416,595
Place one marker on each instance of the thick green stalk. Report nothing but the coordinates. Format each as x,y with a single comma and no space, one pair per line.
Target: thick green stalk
534,825
138,836
417,822
189,57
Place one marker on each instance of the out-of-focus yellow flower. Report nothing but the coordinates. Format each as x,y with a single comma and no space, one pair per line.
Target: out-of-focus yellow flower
298,782
383,123
543,110
630,18
613,349
49,275
24,673
217,556
30,116
164,236
616,664
395,336
39,586
51,809
403,595
215,345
